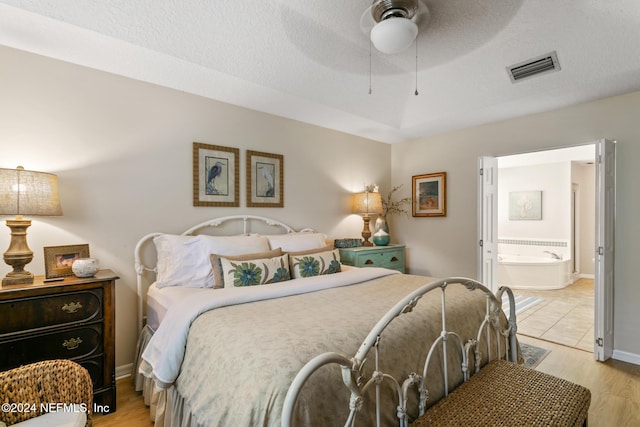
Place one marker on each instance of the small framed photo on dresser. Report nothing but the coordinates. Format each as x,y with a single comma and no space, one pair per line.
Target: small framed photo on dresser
59,259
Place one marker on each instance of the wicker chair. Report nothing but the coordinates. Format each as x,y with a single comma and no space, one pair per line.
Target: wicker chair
30,390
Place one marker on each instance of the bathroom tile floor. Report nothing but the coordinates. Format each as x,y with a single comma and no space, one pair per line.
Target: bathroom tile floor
565,316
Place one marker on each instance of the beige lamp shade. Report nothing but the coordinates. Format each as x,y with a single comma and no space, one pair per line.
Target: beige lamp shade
367,203
24,192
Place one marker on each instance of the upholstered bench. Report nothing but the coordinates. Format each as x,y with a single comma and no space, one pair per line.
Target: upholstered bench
506,394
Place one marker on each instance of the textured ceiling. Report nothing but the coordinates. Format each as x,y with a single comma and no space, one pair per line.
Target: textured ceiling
309,60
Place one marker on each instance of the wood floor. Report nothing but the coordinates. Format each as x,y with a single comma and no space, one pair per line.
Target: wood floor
614,385
131,410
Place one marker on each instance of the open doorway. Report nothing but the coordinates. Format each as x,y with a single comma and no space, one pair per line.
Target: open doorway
546,209
556,239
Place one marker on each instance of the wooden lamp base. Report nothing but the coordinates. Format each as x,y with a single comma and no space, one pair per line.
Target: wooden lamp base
366,231
18,255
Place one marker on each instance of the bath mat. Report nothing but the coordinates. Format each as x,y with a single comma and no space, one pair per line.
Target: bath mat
533,355
522,303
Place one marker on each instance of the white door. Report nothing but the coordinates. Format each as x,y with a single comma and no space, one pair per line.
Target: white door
488,222
604,248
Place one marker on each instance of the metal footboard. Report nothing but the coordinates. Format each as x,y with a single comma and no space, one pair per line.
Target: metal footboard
358,384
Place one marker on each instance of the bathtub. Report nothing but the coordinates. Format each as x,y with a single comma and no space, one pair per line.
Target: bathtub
533,272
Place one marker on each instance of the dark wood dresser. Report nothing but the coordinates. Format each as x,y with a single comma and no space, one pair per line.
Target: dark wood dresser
69,319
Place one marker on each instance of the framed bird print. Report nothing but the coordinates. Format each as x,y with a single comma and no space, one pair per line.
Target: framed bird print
216,175
265,180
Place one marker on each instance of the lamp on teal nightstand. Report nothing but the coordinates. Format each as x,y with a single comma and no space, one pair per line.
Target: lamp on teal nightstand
25,192
366,204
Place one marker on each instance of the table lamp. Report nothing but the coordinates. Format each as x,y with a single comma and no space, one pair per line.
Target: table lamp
24,192
365,204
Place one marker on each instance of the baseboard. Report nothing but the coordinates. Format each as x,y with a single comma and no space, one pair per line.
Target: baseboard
123,371
586,276
624,356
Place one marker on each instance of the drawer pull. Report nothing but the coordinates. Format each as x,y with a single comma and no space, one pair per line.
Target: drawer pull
72,343
394,259
71,307
368,262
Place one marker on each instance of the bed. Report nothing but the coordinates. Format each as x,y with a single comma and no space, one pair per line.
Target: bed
299,351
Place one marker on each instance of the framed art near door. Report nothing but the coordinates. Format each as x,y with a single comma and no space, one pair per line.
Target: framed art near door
429,194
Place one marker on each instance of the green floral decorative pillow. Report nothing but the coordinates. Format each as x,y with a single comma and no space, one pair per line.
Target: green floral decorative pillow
255,272
315,264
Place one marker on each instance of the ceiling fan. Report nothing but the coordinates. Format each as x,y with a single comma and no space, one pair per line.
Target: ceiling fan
393,25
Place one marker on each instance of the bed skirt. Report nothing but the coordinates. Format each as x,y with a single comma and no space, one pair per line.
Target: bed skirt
167,408
150,395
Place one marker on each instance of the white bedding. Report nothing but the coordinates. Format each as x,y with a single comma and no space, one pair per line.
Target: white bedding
160,299
163,356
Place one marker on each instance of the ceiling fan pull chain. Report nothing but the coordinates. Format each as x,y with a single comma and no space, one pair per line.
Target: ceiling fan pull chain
416,92
370,44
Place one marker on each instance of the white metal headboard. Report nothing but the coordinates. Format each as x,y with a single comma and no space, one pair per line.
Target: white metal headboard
144,268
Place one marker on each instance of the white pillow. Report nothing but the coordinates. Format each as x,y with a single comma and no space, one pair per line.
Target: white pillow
255,271
185,260
178,263
315,264
296,242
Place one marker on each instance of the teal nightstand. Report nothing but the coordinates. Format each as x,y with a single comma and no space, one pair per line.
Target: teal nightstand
391,256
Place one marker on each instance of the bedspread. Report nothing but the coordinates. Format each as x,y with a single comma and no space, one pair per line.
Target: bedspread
163,356
240,359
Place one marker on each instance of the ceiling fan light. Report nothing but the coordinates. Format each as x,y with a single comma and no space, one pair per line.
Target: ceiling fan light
393,35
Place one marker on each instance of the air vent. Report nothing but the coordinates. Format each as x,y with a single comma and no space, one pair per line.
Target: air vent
533,67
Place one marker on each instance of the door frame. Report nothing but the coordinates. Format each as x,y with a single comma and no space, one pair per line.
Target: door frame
604,240
604,247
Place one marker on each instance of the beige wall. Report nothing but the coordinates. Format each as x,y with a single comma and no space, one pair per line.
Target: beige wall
584,176
448,246
122,152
